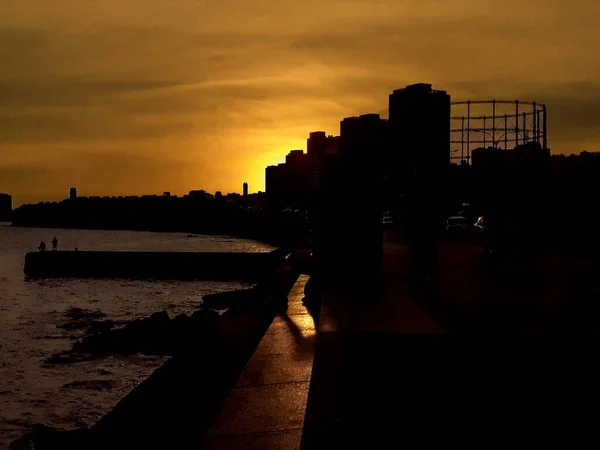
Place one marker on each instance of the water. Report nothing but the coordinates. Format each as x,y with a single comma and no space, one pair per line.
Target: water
30,310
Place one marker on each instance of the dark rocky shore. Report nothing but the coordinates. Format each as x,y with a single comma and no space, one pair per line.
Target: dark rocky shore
155,335
208,352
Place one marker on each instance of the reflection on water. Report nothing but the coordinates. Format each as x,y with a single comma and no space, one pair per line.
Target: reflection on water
77,395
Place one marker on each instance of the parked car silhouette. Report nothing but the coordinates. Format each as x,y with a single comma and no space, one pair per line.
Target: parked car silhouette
457,225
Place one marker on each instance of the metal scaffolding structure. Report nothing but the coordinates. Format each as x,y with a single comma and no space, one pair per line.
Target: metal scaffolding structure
513,123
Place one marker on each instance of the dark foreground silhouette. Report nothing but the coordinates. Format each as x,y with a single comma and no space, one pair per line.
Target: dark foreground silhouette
181,398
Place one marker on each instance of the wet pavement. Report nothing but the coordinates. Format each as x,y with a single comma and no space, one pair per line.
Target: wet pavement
483,358
266,408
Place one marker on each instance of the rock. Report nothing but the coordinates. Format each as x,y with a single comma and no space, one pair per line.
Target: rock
79,324
135,326
52,336
69,358
182,320
224,300
81,313
95,344
156,335
149,335
205,316
31,441
77,347
179,327
100,326
117,341
161,316
178,333
43,437
74,312
40,428
141,335
82,318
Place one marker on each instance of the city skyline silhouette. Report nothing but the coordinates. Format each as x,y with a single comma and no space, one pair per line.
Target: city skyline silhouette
298,225
123,103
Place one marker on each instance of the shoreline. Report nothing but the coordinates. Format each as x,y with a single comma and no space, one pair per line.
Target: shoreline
228,340
33,391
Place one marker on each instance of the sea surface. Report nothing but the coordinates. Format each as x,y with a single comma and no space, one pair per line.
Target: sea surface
75,395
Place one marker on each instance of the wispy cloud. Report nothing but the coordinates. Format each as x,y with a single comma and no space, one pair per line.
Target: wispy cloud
226,86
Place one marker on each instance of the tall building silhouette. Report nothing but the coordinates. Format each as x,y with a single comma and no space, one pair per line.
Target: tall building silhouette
419,123
418,161
350,238
291,184
73,193
245,189
319,144
5,207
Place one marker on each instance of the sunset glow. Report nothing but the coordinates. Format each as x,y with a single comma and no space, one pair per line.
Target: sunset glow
117,99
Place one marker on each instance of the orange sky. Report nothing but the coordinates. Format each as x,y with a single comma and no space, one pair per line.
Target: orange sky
122,97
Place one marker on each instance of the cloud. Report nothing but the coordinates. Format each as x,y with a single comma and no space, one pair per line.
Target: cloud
222,85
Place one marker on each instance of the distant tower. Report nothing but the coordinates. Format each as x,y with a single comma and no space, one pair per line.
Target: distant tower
73,193
5,207
245,189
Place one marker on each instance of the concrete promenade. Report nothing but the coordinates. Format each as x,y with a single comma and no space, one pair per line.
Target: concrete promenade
265,410
488,357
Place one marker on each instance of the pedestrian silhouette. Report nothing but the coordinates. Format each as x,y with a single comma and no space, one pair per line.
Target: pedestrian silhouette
54,243
42,246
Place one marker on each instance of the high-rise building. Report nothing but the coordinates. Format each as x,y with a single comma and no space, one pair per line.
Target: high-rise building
295,157
245,189
419,158
291,184
419,123
361,138
320,147
5,207
349,209
73,193
275,185
319,144
316,144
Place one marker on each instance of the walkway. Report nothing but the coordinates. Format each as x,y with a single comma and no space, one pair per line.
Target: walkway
386,371
373,355
266,408
388,374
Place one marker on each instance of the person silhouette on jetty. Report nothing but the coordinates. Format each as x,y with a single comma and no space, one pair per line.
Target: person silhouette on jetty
54,244
42,246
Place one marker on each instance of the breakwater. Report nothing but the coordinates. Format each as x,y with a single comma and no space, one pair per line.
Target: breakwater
155,265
